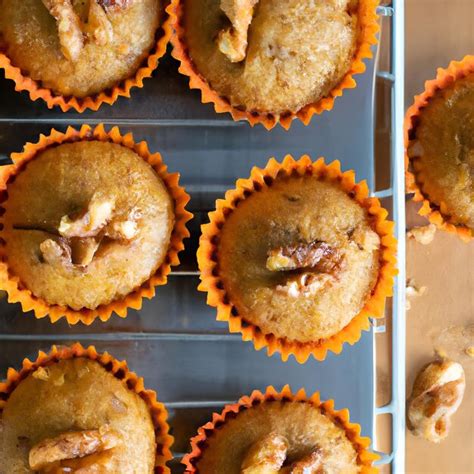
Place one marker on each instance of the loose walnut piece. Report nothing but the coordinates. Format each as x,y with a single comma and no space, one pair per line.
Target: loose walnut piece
69,27
316,255
71,445
233,41
423,235
266,456
437,394
412,291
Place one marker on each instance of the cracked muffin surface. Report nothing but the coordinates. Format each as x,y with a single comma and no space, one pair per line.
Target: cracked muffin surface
443,150
86,223
279,437
74,416
299,259
79,47
271,56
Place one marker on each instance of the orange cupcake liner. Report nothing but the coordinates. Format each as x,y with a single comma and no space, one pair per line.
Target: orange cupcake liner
369,28
36,91
120,370
365,458
17,293
414,175
262,178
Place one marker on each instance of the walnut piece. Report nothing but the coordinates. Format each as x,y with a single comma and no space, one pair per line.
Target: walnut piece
437,394
56,252
71,445
266,456
83,250
316,255
89,222
306,284
69,27
233,41
99,463
98,27
423,235
312,463
115,4
412,291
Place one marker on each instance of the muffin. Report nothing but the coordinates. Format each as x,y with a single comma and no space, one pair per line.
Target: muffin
79,49
88,223
440,147
75,409
297,253
266,60
279,432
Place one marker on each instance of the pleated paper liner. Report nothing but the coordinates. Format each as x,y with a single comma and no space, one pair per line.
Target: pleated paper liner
123,89
365,458
120,370
17,293
260,179
414,172
369,28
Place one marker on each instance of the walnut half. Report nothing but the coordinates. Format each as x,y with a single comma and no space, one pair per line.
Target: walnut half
437,394
71,445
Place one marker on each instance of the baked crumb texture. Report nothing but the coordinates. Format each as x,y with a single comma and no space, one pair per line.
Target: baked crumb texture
297,257
92,223
76,410
437,394
269,61
79,54
439,131
280,433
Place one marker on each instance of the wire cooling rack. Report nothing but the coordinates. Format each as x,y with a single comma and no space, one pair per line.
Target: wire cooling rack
174,342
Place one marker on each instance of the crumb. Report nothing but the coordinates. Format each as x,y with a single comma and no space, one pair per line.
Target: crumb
423,235
412,290
441,353
470,351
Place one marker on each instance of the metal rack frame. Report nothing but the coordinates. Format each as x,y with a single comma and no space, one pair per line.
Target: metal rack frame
396,191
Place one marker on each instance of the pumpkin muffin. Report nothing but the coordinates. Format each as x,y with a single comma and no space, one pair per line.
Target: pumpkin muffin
442,151
79,47
272,58
279,432
86,223
299,259
75,416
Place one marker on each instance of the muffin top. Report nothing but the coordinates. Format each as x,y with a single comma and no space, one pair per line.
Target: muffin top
78,47
279,434
271,56
444,148
86,223
299,258
74,414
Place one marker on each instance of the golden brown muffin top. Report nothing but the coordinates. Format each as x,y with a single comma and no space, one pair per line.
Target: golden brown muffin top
299,259
278,435
74,413
79,47
444,148
86,223
271,55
